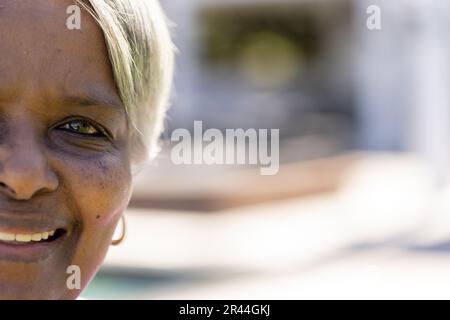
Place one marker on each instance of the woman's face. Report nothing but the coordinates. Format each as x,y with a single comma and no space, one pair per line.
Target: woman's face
64,157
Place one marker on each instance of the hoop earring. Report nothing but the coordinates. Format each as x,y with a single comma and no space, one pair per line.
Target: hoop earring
124,232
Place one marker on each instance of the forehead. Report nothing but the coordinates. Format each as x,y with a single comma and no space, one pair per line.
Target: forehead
39,51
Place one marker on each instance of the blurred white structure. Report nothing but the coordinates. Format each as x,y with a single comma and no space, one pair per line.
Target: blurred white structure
403,79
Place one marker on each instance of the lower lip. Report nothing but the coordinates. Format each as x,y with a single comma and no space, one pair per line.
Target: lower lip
29,251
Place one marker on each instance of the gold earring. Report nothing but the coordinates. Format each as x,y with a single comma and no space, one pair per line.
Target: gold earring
124,232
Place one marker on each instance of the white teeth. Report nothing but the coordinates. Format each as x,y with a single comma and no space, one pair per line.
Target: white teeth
23,237
36,237
4,236
7,236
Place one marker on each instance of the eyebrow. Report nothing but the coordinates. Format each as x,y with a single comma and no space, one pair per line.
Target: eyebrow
91,100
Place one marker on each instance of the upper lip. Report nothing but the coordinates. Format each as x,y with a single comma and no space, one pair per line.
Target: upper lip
31,222
33,216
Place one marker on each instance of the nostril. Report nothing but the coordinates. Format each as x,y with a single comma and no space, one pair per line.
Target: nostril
4,186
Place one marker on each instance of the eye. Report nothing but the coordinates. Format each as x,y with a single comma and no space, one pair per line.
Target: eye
82,127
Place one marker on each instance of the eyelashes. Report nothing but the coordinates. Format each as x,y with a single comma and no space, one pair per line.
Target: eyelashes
83,127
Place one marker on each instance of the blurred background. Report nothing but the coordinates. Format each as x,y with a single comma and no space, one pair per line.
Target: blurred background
360,206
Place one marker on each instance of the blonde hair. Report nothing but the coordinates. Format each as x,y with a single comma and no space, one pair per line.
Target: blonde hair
142,58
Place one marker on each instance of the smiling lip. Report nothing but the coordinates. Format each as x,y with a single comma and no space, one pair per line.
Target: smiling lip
22,250
27,235
28,238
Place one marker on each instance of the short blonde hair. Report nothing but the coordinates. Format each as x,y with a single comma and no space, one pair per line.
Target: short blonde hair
142,58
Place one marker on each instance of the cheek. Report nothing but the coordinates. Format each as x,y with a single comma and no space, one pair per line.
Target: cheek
99,188
98,191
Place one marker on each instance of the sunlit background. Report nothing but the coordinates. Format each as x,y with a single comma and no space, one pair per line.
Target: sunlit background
361,205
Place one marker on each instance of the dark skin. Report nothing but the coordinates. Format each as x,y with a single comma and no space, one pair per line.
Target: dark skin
64,155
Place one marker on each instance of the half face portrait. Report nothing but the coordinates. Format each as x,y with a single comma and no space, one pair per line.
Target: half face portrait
80,107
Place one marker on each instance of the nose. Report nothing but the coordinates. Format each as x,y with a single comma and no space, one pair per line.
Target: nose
25,172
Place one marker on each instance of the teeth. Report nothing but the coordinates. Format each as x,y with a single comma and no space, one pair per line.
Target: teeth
7,236
23,237
4,236
36,237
